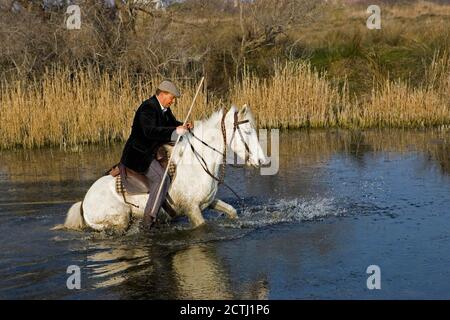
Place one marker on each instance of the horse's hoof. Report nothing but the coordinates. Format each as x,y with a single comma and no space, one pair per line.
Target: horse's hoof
233,215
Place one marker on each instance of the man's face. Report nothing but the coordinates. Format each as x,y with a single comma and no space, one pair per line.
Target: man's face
166,99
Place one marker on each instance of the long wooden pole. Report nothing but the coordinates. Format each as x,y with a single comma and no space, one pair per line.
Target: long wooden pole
178,139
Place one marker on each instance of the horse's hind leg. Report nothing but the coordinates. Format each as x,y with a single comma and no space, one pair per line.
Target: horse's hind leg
222,206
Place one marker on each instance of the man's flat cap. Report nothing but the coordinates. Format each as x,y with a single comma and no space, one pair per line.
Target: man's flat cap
168,86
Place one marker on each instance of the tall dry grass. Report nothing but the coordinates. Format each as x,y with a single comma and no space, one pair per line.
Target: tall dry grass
397,104
72,108
295,96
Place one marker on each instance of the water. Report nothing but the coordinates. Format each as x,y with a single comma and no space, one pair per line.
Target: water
341,201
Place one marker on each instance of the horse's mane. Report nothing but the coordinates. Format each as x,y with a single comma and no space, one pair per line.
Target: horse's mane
216,117
213,118
213,121
208,122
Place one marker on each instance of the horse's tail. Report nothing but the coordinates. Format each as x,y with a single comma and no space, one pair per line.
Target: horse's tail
74,219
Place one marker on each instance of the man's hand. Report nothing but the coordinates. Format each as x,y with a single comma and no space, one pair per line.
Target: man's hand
190,125
181,130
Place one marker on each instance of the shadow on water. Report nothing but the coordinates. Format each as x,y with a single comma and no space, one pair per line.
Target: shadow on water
293,224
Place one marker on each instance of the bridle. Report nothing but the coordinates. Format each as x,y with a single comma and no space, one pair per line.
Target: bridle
221,178
236,127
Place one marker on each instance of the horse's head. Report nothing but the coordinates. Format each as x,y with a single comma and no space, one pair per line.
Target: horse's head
242,136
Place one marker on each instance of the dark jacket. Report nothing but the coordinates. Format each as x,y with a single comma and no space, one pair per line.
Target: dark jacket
151,128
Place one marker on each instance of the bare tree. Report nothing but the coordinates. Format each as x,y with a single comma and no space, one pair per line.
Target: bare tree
263,21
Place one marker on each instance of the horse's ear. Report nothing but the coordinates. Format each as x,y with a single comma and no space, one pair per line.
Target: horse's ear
244,110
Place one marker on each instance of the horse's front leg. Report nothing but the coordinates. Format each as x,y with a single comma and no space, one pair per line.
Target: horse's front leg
224,207
195,216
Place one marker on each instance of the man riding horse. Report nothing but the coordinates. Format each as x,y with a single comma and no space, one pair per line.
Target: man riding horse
154,125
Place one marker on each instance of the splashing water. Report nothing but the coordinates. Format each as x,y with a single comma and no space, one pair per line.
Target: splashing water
284,211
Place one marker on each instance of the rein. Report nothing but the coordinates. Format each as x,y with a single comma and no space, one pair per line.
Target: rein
236,127
202,161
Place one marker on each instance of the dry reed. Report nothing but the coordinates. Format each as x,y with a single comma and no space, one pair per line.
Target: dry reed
72,108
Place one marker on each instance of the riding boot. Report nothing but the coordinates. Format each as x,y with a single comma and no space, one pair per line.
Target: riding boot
154,174
148,223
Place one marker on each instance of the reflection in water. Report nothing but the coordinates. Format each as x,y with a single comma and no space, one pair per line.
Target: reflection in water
186,264
55,165
108,266
270,252
90,162
309,147
190,273
199,276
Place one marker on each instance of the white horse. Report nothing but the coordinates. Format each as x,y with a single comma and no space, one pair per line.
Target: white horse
192,190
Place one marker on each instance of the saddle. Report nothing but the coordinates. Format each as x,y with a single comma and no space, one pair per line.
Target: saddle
137,183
